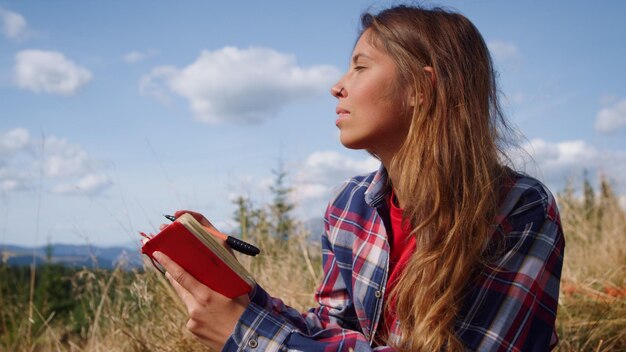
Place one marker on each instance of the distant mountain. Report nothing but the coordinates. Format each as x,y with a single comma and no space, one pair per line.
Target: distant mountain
88,256
73,255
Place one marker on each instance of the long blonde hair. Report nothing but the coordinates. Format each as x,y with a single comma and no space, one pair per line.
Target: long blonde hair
449,166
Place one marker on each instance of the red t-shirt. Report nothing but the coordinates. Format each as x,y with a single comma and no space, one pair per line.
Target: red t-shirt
402,247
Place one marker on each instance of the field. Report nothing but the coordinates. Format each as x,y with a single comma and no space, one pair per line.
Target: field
53,308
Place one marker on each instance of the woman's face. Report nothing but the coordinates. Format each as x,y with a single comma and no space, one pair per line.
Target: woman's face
372,111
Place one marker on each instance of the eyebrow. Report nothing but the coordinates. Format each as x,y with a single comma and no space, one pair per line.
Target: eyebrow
357,56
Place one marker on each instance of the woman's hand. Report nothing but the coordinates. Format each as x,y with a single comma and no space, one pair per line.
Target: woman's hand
199,217
207,224
212,316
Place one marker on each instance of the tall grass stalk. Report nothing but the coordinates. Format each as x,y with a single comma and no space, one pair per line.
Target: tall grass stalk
33,266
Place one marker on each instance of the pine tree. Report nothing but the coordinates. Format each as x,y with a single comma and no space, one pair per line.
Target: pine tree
49,252
609,202
283,224
259,222
242,216
589,196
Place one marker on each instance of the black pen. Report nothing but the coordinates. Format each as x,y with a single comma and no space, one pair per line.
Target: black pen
234,243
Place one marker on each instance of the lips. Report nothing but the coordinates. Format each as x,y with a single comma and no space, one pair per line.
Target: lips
342,114
340,111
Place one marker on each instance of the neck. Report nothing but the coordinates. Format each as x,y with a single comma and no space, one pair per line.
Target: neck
394,177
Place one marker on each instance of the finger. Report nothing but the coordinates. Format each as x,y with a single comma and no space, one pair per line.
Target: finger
197,289
204,222
221,237
208,226
184,295
199,217
146,236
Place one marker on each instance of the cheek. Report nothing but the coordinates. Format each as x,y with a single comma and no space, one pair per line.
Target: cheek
387,96
394,120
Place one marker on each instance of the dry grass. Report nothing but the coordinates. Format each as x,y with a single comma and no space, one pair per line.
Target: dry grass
592,305
143,314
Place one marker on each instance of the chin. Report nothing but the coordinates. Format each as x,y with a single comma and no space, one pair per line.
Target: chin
351,144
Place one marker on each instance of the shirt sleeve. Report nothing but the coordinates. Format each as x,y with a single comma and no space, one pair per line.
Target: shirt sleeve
513,305
270,325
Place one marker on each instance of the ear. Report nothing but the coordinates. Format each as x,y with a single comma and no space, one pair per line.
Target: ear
430,71
411,96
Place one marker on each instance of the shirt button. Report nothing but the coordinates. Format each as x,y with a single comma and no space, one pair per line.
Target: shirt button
378,294
253,343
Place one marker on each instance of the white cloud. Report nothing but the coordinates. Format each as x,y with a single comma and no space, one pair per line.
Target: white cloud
320,173
137,56
567,153
13,173
239,85
89,184
14,26
8,185
311,181
66,166
153,83
48,72
556,162
325,166
63,159
612,119
11,180
503,51
247,186
14,141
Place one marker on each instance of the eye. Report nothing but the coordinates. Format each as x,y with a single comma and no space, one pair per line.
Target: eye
359,68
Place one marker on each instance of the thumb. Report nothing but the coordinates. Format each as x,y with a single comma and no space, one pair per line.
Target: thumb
199,217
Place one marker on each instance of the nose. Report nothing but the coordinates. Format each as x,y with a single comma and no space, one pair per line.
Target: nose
337,91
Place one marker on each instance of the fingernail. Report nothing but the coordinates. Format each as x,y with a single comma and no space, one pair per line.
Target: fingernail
157,255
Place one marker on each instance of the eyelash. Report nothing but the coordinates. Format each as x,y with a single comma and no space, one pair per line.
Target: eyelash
359,68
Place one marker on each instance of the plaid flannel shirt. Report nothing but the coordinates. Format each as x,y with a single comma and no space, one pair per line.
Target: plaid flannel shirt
510,307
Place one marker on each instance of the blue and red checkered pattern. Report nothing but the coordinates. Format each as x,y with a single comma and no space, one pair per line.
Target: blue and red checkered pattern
511,306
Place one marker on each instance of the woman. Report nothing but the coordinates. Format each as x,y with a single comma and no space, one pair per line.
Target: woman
444,247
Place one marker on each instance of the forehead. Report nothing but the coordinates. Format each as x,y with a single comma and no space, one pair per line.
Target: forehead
366,46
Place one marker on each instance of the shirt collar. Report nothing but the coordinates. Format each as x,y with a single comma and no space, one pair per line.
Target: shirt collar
378,188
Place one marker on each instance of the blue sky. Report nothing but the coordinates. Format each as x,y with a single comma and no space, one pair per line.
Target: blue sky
113,113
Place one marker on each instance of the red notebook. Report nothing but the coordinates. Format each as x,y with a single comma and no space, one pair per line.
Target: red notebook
187,243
